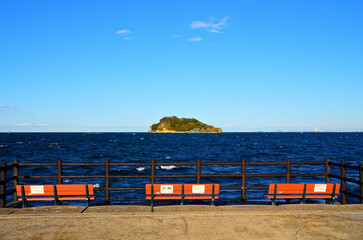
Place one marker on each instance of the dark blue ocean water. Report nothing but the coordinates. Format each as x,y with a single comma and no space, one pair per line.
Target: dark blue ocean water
142,147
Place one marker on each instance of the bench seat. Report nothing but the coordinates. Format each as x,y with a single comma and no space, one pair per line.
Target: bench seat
56,193
303,191
181,192
185,197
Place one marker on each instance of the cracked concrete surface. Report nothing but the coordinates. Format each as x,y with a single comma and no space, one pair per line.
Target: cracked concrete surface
288,221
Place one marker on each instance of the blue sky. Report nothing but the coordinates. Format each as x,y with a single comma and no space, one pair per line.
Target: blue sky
123,65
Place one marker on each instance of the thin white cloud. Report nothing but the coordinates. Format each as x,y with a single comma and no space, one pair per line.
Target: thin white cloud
124,31
22,124
176,36
199,24
11,107
129,38
41,124
116,125
211,26
196,39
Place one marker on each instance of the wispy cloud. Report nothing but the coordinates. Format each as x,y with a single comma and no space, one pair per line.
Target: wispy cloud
176,36
196,39
213,26
124,31
41,124
129,38
22,124
116,125
11,107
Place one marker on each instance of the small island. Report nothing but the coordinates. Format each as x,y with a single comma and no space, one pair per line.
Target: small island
182,125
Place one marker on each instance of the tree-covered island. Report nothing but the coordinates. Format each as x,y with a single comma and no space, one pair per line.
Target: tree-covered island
188,125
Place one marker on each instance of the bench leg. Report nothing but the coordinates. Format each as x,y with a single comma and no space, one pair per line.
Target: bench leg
23,201
273,202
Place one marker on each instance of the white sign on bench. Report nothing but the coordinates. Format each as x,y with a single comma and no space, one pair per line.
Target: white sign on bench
166,189
198,189
37,189
320,188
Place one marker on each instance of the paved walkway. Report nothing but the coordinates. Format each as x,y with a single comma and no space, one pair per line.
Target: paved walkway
295,221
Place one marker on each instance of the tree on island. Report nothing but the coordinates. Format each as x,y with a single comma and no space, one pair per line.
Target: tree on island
174,124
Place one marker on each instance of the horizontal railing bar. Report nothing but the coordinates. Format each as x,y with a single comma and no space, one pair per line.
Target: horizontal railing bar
351,167
126,188
10,179
221,163
351,180
83,176
129,164
334,164
352,194
266,175
37,177
265,163
334,176
10,192
256,187
308,175
307,163
176,176
230,187
9,166
130,176
36,164
221,175
83,164
172,163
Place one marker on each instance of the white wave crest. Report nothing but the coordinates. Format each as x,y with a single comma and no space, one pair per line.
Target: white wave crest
96,185
167,167
140,169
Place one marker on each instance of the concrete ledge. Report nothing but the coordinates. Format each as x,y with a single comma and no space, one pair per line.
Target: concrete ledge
295,221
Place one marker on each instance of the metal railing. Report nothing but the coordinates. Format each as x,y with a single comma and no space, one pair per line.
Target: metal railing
243,175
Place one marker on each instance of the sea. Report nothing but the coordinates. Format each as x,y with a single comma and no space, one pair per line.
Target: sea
168,148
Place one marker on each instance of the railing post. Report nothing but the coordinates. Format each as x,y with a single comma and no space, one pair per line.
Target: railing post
199,170
327,170
288,170
60,181
107,180
16,177
361,181
243,180
152,180
343,182
2,185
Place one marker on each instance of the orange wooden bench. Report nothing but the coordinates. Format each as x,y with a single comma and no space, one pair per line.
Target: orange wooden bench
56,193
303,191
182,191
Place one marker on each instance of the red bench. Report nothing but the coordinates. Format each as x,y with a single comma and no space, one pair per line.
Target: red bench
303,191
56,193
182,191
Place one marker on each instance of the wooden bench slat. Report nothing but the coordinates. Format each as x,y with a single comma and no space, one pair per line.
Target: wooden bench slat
37,198
181,191
303,191
58,192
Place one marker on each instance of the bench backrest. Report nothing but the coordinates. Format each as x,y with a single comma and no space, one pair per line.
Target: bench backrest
177,189
74,189
298,188
48,190
36,190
